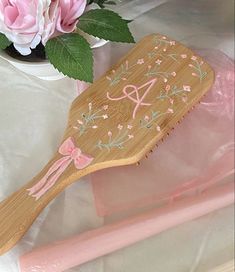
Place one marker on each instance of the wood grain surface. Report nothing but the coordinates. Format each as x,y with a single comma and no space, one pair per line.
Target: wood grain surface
116,121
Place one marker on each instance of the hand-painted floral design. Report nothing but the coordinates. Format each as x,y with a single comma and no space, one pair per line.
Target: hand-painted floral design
149,122
162,41
123,136
124,71
197,67
87,120
174,57
172,92
155,71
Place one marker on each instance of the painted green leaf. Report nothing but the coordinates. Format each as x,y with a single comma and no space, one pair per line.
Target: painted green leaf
71,54
105,24
4,42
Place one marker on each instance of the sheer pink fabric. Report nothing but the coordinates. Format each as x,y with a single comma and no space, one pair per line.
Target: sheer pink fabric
196,156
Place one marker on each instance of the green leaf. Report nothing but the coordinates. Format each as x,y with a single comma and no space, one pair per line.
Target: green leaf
105,24
4,42
71,54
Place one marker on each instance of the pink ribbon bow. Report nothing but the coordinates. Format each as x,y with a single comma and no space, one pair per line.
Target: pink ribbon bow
71,154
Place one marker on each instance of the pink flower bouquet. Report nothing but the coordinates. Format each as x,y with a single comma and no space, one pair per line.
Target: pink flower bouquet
52,24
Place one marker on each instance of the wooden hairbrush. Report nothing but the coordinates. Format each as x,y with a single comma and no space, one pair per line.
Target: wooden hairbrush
116,121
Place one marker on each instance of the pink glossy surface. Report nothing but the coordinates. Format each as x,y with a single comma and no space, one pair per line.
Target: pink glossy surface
90,245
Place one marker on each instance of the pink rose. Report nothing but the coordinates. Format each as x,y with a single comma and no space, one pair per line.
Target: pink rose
62,17
68,13
28,22
22,21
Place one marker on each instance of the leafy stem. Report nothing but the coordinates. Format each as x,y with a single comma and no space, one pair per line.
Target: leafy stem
148,122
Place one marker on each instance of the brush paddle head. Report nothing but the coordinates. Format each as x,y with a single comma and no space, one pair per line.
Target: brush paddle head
124,114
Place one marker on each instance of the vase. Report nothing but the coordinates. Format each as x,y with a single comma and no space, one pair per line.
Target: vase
44,69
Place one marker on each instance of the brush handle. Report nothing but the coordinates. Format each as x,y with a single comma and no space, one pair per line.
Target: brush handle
18,211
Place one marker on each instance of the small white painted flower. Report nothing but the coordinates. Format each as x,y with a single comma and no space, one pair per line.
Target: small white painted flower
170,110
163,37
165,80
158,61
187,88
105,107
168,87
183,56
90,106
124,79
164,50
105,116
190,65
110,134
120,127
80,122
172,43
156,47
130,136
201,62
146,118
94,127
109,78
173,74
140,61
193,58
194,74
171,101
75,127
158,128
129,127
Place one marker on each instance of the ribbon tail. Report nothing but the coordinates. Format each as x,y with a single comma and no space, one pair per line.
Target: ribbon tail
43,181
50,183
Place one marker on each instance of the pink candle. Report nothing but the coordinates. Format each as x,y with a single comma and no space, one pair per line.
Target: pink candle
77,250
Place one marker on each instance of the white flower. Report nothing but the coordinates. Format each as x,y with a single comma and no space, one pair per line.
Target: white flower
158,61
120,127
105,116
129,127
140,61
130,136
187,88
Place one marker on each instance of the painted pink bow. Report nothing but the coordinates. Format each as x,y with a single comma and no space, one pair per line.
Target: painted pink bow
71,154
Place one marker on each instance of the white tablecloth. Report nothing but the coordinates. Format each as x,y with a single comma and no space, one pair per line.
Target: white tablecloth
32,120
